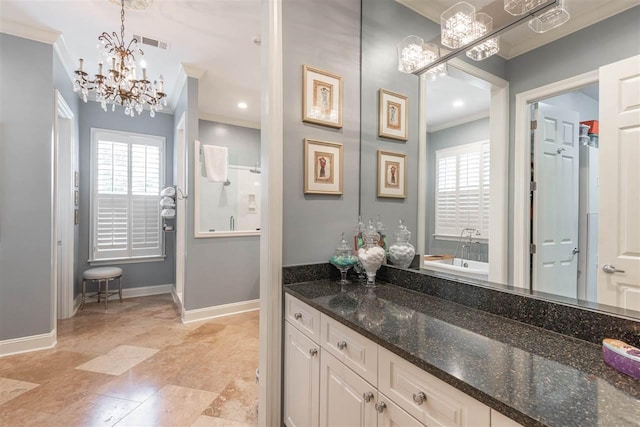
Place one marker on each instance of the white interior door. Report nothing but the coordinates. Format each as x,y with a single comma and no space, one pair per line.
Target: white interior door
65,205
619,231
555,201
181,211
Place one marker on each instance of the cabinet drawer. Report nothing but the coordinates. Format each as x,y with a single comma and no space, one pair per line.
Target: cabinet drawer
357,352
430,400
499,420
303,317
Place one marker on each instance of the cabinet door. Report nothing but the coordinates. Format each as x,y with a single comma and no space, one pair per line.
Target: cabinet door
391,415
301,379
345,398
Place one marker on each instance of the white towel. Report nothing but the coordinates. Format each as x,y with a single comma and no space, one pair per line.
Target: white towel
168,192
215,162
167,202
168,213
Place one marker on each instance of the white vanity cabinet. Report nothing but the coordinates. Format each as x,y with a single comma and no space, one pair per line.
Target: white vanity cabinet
301,379
333,376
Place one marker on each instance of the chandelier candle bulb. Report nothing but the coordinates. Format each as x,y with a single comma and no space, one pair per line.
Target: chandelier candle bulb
100,68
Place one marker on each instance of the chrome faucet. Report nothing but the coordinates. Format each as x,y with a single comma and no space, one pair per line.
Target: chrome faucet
467,245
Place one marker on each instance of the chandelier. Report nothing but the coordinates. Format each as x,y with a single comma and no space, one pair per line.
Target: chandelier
120,84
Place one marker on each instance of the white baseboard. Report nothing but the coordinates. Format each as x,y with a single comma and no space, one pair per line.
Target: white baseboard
176,299
206,313
145,291
26,344
76,304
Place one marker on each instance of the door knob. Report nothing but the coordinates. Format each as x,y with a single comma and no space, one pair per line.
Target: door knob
610,269
342,345
367,396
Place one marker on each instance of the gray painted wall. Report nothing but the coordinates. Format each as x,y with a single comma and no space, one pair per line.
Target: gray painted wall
585,106
326,35
608,41
243,143
478,130
26,122
92,116
218,270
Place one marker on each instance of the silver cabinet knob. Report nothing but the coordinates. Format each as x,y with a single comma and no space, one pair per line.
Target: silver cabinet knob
297,316
575,251
342,345
380,407
313,351
419,398
367,396
610,269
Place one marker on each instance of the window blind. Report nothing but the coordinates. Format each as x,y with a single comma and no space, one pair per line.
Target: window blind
462,189
126,181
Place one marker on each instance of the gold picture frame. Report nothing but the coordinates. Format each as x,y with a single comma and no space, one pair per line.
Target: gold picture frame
392,174
392,117
322,167
321,97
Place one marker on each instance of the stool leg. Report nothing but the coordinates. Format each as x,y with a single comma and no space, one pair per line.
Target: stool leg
106,293
99,286
84,293
120,288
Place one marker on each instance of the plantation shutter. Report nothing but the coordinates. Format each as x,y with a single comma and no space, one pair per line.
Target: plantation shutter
127,175
462,189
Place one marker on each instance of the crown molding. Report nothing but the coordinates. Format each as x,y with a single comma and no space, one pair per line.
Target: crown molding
60,48
227,120
14,28
192,71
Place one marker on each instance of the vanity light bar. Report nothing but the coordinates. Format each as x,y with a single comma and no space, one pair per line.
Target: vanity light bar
489,35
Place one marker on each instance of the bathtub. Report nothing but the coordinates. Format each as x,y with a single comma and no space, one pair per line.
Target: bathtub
473,270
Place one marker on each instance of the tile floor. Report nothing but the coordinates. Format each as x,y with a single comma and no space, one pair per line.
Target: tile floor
136,365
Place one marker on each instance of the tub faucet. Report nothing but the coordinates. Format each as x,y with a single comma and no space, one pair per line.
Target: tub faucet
467,245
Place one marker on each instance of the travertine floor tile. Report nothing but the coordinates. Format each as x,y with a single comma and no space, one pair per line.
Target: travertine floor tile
58,393
119,360
195,362
171,406
205,421
26,418
238,402
95,410
114,306
10,389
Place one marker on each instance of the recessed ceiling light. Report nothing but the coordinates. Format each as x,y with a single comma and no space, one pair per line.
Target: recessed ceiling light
242,105
458,103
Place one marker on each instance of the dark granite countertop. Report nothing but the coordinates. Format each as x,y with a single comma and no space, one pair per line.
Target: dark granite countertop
534,376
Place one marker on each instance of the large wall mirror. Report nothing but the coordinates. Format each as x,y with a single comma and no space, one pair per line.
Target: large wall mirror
493,198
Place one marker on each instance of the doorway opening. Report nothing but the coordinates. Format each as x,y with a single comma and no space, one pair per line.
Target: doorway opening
65,205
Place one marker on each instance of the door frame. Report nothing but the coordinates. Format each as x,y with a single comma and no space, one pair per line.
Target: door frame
182,169
63,295
499,155
522,168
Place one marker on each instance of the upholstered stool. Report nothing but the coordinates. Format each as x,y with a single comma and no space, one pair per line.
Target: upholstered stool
102,275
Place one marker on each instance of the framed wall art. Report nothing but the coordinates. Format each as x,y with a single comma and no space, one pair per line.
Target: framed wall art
392,119
392,174
321,97
322,167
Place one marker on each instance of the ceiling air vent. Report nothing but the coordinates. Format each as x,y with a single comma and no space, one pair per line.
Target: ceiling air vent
150,42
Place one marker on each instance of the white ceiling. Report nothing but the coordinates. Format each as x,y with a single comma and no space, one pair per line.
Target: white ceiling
213,37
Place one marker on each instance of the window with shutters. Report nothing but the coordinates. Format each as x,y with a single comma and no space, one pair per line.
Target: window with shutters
462,189
127,172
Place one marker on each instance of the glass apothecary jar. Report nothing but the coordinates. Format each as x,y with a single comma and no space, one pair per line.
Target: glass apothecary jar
401,252
343,259
371,255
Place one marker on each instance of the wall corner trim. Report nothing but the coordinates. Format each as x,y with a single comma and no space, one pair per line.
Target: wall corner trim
206,313
28,344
